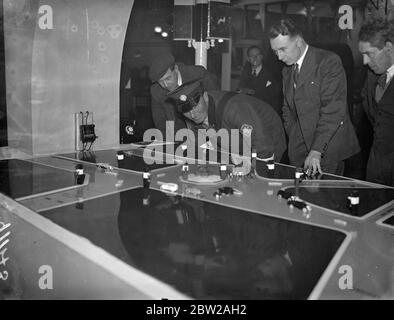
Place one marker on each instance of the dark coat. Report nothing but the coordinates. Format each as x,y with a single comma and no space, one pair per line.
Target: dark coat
380,114
163,111
380,167
316,116
266,85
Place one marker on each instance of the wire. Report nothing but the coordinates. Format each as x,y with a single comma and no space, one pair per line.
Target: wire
81,116
85,117
91,143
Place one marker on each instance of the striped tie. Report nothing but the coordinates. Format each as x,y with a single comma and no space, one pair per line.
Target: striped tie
296,73
380,86
382,80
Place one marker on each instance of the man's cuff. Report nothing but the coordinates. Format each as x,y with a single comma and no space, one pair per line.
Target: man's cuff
319,146
266,159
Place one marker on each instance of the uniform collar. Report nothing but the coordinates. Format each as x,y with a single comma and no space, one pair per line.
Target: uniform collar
390,73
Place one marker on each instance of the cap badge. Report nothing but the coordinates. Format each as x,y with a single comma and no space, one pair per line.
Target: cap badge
246,130
183,97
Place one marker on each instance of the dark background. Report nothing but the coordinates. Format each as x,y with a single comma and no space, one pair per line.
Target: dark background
3,105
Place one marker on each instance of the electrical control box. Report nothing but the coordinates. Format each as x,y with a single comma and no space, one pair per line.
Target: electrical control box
87,133
84,131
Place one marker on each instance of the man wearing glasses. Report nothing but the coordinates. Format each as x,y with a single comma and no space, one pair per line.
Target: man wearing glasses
315,113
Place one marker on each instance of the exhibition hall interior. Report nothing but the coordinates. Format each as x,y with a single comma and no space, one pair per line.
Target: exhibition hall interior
197,149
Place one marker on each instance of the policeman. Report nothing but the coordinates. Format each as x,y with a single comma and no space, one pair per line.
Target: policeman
167,75
251,117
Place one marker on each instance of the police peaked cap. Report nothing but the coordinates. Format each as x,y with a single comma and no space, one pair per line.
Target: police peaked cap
187,96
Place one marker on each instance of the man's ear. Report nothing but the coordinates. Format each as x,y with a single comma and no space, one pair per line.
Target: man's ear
205,96
389,47
299,42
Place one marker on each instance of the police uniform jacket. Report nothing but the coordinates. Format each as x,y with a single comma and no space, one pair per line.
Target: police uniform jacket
244,112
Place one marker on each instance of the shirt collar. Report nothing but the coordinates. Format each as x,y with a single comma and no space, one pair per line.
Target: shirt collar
390,73
301,59
258,69
179,78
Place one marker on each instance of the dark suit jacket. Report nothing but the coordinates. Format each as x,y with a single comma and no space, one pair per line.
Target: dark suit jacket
163,111
267,86
318,108
381,114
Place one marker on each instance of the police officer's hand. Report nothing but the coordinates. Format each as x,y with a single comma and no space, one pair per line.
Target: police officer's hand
239,160
242,163
312,163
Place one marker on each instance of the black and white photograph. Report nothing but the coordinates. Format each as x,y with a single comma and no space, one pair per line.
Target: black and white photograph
196,155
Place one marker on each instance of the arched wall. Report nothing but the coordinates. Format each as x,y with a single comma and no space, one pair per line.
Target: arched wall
53,73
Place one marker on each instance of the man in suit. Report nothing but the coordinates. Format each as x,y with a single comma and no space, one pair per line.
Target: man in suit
166,76
251,117
315,113
376,44
258,80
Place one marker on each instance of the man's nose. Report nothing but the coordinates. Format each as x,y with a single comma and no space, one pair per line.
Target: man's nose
366,59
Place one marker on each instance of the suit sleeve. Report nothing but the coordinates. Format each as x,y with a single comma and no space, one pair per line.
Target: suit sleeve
333,102
366,103
238,116
276,95
280,94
